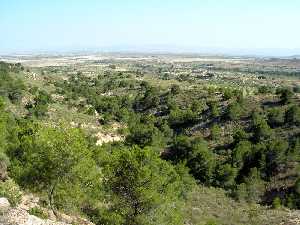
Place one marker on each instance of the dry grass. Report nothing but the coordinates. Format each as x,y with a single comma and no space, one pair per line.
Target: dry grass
212,205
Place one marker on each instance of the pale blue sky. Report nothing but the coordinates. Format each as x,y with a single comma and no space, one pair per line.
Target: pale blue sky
40,25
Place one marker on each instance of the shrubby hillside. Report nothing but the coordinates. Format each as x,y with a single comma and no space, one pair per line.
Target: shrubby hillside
174,148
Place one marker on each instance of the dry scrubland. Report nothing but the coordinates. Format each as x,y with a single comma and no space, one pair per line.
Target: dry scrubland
150,139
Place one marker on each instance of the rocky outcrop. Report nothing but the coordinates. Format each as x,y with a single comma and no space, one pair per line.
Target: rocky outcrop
4,205
20,216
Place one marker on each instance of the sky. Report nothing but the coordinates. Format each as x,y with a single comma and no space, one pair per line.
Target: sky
229,26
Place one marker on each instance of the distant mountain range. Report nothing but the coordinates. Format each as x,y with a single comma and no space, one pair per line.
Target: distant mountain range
165,48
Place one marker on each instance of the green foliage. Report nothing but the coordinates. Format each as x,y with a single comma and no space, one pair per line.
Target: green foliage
40,106
290,201
228,94
215,111
150,99
57,161
211,222
38,212
175,89
276,117
240,135
215,132
276,204
10,190
261,129
129,182
275,155
7,139
144,189
145,133
285,95
265,90
297,186
209,204
292,115
182,117
199,159
202,163
10,87
225,176
240,153
252,189
296,89
234,111
181,149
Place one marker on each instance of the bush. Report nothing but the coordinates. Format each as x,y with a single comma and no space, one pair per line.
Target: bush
215,132
252,189
240,153
276,117
56,162
10,190
234,111
38,212
275,156
175,89
143,189
228,94
145,135
261,129
179,117
276,203
195,153
240,135
214,109
10,87
285,95
202,163
296,89
293,115
225,176
39,108
265,90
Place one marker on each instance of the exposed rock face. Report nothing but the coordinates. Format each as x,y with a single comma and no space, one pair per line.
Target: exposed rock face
19,216
4,205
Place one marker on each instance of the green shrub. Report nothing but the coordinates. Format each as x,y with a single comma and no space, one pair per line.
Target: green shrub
214,109
292,115
225,175
211,222
143,189
261,129
276,117
296,89
252,189
175,89
10,190
215,132
234,111
285,95
276,204
38,212
265,89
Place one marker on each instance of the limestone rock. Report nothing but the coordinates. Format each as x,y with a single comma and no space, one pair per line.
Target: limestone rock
4,205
